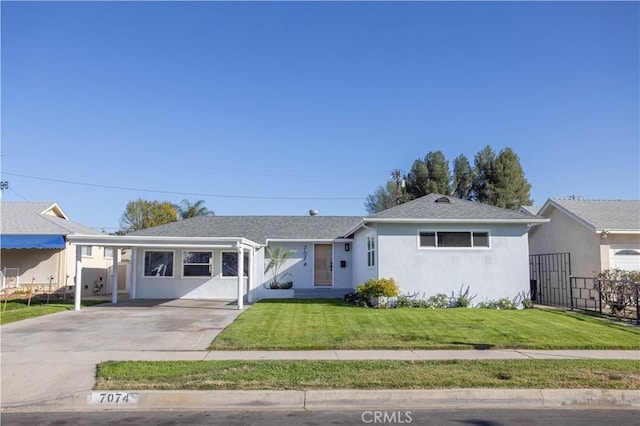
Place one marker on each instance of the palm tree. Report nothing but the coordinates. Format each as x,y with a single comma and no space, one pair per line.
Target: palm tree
277,257
186,209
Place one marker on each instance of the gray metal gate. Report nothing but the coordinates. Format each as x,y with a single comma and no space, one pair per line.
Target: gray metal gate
549,276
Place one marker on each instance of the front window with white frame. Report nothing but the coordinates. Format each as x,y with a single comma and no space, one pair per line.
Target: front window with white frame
158,264
453,239
371,250
197,263
87,251
230,264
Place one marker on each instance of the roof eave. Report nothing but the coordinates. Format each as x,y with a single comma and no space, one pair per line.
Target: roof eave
532,220
156,241
568,212
314,240
61,214
617,231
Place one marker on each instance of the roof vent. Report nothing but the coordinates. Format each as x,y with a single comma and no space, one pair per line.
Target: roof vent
443,200
313,212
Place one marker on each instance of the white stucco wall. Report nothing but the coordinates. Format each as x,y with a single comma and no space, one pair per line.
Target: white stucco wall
361,271
502,270
564,234
342,276
299,268
179,287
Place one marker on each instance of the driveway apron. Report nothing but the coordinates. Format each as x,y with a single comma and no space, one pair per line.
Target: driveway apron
54,356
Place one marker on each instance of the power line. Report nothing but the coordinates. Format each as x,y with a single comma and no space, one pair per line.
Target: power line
195,194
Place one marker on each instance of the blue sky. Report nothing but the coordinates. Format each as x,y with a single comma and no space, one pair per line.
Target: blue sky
310,105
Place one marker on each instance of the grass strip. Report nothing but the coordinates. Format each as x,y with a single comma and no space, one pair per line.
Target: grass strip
17,310
333,324
304,375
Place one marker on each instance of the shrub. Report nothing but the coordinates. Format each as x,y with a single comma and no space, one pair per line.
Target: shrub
525,299
382,287
462,300
489,304
527,303
404,302
280,286
506,303
356,299
439,301
618,288
420,303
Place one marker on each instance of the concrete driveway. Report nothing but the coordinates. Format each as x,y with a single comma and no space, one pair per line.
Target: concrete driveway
54,356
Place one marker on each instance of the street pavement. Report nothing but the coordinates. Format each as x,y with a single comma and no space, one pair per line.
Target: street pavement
49,364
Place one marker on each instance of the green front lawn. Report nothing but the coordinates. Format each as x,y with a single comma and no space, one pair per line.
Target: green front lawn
303,375
17,310
333,324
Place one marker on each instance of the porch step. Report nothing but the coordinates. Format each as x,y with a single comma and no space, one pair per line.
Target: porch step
321,293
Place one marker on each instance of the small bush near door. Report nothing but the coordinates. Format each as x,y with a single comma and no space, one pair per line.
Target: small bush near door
378,288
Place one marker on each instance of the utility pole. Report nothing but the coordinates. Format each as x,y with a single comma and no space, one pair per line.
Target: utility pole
3,186
397,176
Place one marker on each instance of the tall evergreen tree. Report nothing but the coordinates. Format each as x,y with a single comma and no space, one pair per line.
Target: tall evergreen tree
462,178
497,180
417,180
510,189
429,175
439,174
484,174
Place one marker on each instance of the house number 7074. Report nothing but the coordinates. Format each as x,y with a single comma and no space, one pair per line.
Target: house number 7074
113,398
304,256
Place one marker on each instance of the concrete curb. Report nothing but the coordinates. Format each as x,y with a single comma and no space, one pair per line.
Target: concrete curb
338,400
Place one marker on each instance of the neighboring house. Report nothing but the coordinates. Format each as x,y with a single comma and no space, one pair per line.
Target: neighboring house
35,251
531,210
434,244
597,234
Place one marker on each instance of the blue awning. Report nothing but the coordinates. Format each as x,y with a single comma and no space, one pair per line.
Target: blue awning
32,241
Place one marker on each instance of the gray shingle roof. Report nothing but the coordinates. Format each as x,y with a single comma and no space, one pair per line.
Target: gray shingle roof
603,214
427,208
533,210
17,218
258,228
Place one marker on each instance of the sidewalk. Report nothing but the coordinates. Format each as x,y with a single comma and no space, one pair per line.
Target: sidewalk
38,382
415,355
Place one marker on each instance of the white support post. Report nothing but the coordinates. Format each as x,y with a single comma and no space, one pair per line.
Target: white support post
250,280
132,274
240,277
114,280
78,289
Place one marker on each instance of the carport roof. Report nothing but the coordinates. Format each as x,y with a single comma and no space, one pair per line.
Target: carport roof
258,229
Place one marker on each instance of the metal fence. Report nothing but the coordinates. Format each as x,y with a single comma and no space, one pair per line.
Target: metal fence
611,297
549,279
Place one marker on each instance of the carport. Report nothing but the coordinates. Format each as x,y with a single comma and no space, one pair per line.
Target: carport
135,243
